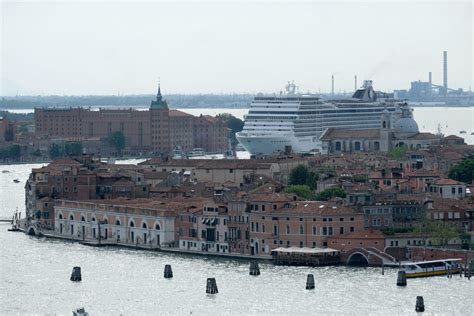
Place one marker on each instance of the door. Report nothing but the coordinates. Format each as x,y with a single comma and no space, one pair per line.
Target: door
132,236
144,238
106,233
61,228
83,232
158,239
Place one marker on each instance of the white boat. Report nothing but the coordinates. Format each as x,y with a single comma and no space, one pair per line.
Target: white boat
293,121
178,153
196,152
432,268
16,181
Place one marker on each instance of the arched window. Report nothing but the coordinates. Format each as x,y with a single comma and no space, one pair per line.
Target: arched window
314,230
93,219
144,225
83,219
384,124
132,224
71,217
105,221
157,226
301,230
60,216
117,222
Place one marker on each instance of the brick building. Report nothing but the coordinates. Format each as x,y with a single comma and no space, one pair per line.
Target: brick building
158,130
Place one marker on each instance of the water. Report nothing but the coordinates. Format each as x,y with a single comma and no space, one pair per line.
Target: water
34,279
451,119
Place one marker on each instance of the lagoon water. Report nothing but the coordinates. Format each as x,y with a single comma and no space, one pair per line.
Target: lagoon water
34,279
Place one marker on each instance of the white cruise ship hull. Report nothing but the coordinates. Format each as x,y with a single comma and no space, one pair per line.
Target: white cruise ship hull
267,144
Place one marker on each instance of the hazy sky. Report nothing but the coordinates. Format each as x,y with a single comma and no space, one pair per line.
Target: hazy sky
199,47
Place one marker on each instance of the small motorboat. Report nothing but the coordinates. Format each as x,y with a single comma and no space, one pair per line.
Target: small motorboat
80,312
5,171
16,181
196,152
462,132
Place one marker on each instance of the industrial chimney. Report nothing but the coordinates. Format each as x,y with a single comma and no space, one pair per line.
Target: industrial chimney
445,72
429,78
355,83
332,86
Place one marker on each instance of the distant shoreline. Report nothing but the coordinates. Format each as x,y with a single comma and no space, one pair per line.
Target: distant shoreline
202,107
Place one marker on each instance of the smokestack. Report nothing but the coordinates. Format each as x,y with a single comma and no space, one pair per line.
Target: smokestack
355,83
429,78
445,72
332,86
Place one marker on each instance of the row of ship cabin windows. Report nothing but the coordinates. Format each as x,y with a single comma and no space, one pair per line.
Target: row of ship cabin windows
105,222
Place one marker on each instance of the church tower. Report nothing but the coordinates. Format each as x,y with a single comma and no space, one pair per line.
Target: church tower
159,125
385,131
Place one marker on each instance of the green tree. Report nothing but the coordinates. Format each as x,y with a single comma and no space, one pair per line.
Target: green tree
56,151
330,193
398,152
117,140
463,171
439,231
15,151
73,148
234,125
299,175
303,191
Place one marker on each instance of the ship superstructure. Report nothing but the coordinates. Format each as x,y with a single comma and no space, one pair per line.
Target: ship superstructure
294,121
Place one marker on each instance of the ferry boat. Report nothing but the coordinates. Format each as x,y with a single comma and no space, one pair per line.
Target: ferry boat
196,152
296,121
432,268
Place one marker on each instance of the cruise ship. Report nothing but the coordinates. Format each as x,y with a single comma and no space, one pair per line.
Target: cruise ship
294,122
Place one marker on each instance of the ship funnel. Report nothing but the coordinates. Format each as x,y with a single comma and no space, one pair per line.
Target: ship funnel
367,84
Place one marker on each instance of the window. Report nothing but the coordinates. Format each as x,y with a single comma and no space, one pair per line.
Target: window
256,227
263,208
231,170
314,230
301,230
341,230
132,224
263,228
352,229
275,230
453,190
71,217
460,190
144,225
301,244
157,226
288,229
117,222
